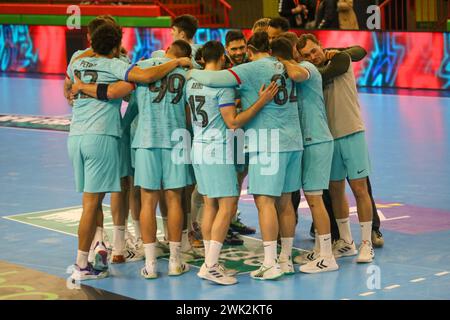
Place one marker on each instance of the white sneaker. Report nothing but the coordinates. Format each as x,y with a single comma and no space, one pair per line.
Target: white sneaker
366,253
130,240
228,272
88,273
216,274
306,257
177,268
321,264
100,260
132,254
267,272
287,266
149,271
344,249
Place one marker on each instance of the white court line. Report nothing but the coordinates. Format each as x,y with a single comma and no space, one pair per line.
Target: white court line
418,280
392,287
441,273
365,294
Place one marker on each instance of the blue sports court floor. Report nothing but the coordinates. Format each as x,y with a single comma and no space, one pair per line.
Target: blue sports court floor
409,141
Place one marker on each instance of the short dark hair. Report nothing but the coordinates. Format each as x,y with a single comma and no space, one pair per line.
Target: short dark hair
304,38
234,35
181,49
259,42
212,51
186,23
282,47
291,36
279,23
98,21
106,38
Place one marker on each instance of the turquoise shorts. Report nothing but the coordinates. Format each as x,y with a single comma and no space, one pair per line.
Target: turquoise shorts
316,164
155,170
216,180
95,160
272,174
350,158
126,169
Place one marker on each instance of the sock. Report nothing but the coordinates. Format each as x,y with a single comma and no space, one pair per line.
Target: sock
98,237
270,253
166,229
150,253
185,244
286,248
118,239
316,241
207,244
366,231
82,259
325,245
137,228
174,251
344,229
213,253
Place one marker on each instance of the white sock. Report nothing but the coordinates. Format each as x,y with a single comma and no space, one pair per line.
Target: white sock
344,229
175,248
118,239
150,253
98,237
137,228
366,231
270,253
185,244
206,243
325,245
213,253
316,241
82,259
286,248
166,229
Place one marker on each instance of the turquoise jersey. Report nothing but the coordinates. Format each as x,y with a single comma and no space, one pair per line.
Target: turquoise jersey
205,103
89,115
281,113
161,107
77,54
194,47
311,107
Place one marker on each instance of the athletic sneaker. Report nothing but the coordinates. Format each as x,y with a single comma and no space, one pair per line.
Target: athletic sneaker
177,268
133,254
377,239
321,264
216,274
267,272
287,266
227,272
306,257
232,239
239,227
366,253
100,260
130,240
149,271
344,249
88,273
195,237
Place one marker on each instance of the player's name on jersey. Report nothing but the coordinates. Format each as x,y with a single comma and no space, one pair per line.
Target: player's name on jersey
35,122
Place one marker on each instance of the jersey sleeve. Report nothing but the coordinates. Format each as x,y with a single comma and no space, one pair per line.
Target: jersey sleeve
226,98
241,73
120,69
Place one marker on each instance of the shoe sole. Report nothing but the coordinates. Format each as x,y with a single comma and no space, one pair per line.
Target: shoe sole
377,245
177,274
329,269
269,279
347,254
219,283
103,275
150,278
99,259
364,260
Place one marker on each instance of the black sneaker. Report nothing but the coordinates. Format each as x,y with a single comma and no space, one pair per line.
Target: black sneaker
239,227
232,239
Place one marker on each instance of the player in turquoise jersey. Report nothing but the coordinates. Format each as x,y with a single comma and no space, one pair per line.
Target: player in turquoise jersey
161,111
213,111
317,153
94,132
274,138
